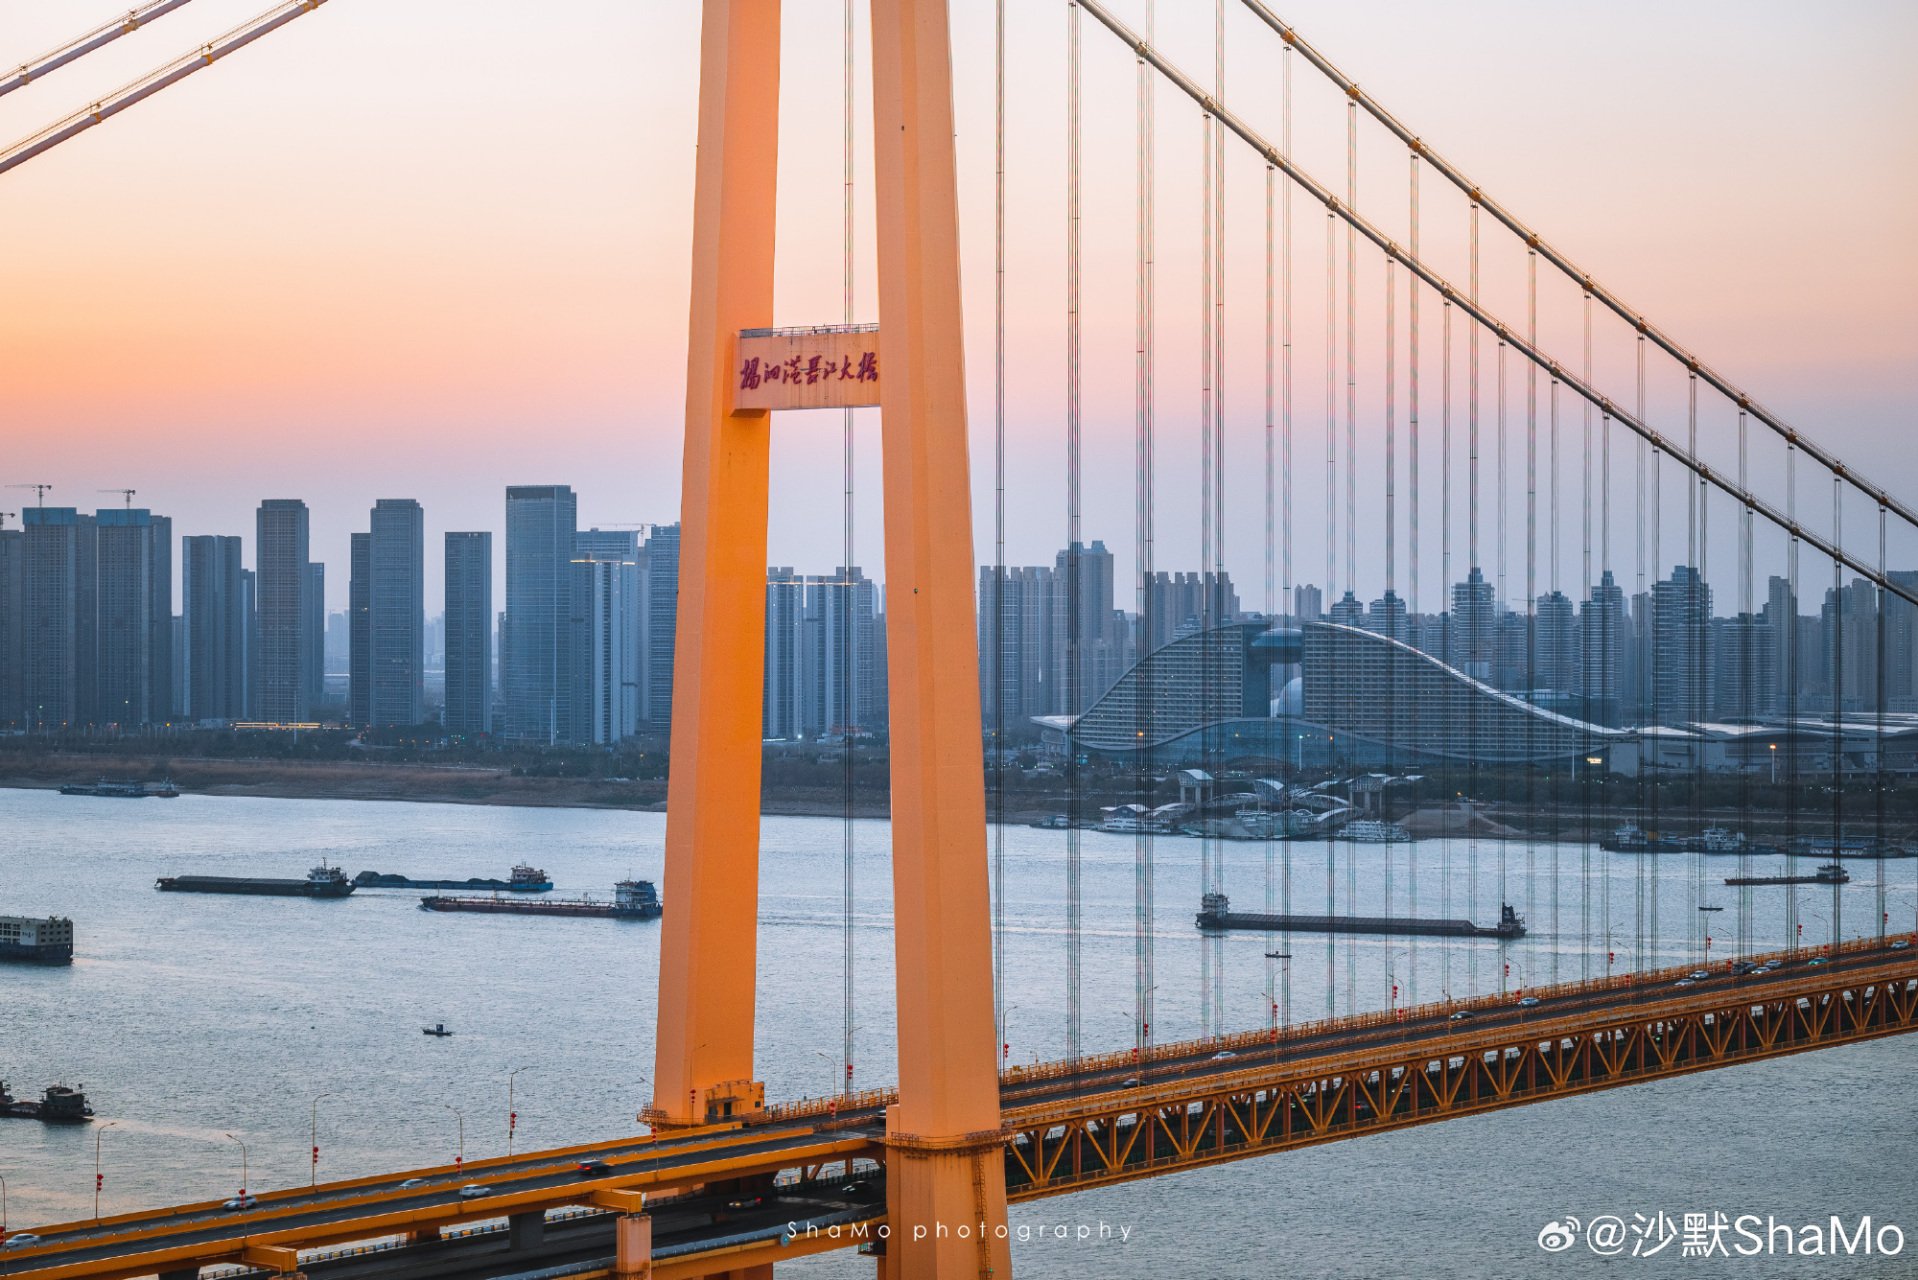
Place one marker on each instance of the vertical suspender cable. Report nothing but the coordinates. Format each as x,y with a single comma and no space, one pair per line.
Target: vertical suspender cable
1748,694
1000,684
1879,849
1391,603
1331,541
1351,480
1445,585
1217,940
1285,402
1271,561
1698,620
1658,677
1641,673
1585,602
1143,485
1207,616
1075,621
846,628
1531,600
1837,753
1416,635
1477,639
1791,697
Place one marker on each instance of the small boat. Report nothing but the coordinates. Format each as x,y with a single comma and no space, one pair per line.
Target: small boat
1371,831
437,1029
59,1105
115,789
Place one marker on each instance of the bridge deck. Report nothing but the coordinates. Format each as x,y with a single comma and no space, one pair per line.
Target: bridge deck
1109,1119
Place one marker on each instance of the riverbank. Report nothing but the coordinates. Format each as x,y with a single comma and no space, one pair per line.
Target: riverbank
432,784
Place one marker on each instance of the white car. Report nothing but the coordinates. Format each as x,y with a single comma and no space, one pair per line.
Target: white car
472,1190
22,1240
410,1183
1528,1002
1699,975
1223,1053
1683,982
240,1202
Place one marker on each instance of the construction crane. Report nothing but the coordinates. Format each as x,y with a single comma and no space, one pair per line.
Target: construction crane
4,516
154,81
39,492
128,492
80,47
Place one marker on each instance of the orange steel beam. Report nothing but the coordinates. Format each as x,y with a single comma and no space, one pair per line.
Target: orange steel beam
708,937
943,1135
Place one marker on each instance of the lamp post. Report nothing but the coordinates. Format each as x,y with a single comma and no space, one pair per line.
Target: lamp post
459,1160
313,1177
242,1165
1005,1036
97,1178
832,1068
512,1115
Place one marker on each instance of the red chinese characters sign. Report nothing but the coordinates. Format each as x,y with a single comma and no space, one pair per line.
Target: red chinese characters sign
833,368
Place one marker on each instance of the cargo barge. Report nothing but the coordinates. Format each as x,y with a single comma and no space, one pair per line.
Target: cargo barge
1830,873
48,941
632,900
58,1105
1216,917
123,789
321,882
524,879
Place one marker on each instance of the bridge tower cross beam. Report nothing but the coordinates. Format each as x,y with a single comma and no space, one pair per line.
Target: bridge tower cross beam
946,1174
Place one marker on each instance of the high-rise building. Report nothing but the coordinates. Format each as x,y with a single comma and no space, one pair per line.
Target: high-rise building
132,672
13,686
469,634
782,713
1602,650
359,630
661,625
1849,657
1387,617
1015,666
213,597
842,692
53,540
396,612
1744,668
540,524
315,639
284,579
250,611
1682,648
1474,632
1556,654
605,644
1308,603
339,644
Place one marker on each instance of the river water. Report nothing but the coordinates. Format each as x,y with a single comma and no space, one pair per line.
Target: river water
189,1018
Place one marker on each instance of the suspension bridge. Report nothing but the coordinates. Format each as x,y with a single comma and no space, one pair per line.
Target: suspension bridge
1498,701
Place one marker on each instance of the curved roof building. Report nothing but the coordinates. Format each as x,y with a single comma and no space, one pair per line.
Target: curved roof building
1359,698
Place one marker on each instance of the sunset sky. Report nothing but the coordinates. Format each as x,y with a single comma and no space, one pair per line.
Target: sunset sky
430,248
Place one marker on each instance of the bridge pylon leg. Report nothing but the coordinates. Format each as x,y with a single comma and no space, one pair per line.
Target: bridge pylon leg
708,935
946,1200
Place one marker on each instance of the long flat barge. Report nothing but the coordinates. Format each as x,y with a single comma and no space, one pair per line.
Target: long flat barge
1830,873
1215,917
632,900
321,882
524,879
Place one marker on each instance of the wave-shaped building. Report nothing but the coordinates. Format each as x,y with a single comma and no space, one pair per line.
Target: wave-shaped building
1323,694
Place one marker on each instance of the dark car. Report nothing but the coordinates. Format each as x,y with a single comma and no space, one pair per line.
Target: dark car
1460,1016
592,1168
746,1202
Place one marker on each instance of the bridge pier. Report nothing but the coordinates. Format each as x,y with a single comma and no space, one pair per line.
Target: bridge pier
634,1236
526,1230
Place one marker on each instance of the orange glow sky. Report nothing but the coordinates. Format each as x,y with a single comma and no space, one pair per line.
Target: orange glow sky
429,248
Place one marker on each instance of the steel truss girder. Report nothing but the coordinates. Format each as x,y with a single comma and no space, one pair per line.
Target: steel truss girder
1374,1089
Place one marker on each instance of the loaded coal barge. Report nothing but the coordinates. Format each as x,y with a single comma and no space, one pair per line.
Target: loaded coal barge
524,879
632,900
1830,873
321,882
1215,917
